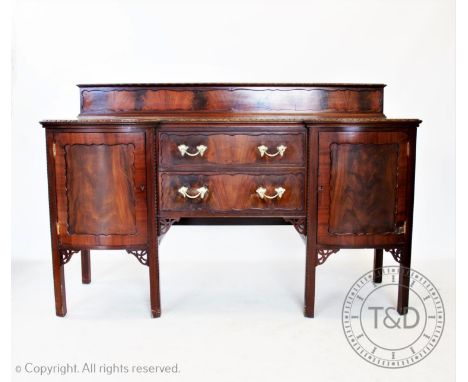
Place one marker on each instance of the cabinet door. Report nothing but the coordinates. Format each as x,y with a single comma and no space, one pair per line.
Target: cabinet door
101,189
362,188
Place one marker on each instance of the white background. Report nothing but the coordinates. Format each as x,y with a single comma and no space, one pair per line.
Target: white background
56,44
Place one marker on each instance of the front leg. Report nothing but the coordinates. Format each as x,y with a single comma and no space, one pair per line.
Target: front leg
309,295
402,255
59,282
153,262
404,279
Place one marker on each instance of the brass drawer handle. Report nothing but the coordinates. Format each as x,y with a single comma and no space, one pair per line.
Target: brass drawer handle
201,192
184,150
264,150
261,192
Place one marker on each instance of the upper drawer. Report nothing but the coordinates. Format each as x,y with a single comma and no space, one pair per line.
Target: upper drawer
257,149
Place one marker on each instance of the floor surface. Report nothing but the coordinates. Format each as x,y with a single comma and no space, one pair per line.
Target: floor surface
231,311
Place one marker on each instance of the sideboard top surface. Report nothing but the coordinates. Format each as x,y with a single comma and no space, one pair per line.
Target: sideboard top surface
88,122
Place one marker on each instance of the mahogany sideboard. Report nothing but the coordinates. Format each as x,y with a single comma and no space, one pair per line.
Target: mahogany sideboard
141,157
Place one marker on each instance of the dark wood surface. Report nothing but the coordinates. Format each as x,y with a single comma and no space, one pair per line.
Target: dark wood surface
101,189
58,268
86,266
141,99
114,174
378,262
362,188
225,149
232,194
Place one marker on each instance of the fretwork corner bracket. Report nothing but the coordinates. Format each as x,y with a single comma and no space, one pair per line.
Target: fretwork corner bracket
299,225
324,253
140,254
66,255
397,253
164,225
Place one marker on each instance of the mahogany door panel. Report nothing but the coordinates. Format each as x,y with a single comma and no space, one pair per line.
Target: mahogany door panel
362,188
179,150
101,183
237,193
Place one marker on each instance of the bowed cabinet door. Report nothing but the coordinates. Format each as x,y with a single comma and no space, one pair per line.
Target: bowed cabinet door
363,188
101,189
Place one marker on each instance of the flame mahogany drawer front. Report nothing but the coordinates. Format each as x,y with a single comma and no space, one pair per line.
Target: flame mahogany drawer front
179,150
206,194
142,157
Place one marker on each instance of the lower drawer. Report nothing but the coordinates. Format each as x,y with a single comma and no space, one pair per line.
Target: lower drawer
214,194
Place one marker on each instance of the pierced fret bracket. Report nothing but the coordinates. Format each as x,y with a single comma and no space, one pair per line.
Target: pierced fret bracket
140,254
165,224
66,255
397,253
299,224
324,253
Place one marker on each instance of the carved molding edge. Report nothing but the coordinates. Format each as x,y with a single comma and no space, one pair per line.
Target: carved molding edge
397,253
66,255
140,254
299,224
164,225
324,253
